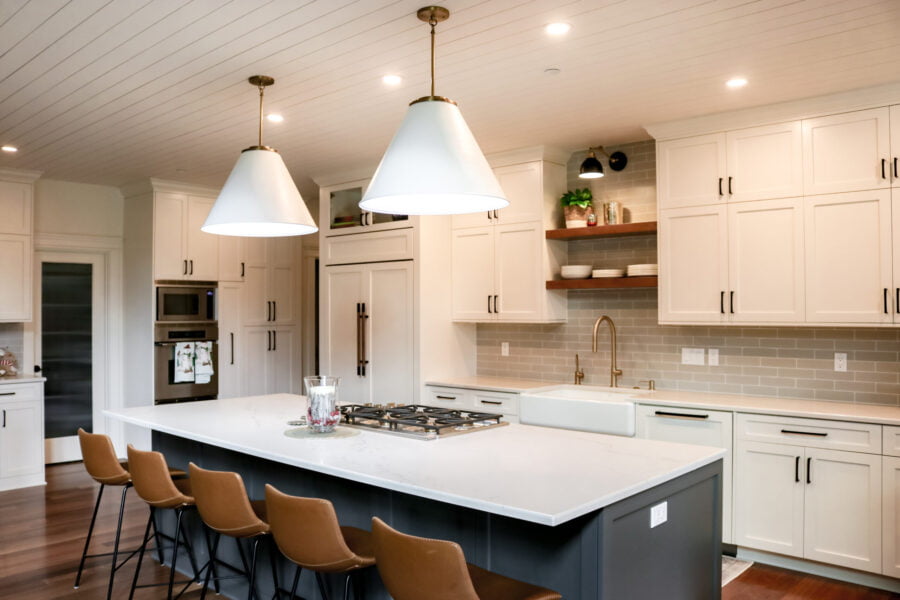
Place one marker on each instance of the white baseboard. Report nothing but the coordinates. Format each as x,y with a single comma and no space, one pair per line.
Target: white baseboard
872,580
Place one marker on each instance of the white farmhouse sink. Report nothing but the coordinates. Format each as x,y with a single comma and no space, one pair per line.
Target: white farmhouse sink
581,407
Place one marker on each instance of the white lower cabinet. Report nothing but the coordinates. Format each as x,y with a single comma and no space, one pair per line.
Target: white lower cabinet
801,498
21,435
890,507
231,358
271,357
693,426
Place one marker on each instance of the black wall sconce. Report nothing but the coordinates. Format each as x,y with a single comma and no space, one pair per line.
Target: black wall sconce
591,167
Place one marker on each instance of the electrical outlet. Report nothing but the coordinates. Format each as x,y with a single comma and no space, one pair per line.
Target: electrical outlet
693,356
504,348
659,514
840,362
714,357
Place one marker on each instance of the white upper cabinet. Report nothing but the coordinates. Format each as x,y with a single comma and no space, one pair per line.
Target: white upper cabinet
765,261
180,250
269,278
693,256
518,281
232,264
848,258
895,146
16,207
16,245
523,188
472,274
764,162
340,214
847,152
691,171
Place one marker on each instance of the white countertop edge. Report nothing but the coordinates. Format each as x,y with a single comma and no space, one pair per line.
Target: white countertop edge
463,501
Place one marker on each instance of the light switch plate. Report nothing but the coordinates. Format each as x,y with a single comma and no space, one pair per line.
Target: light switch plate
659,514
840,362
714,357
504,348
693,356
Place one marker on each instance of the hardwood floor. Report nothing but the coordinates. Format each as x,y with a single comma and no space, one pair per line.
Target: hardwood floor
42,531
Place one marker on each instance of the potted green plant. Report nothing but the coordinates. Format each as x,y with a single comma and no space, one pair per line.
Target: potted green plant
576,206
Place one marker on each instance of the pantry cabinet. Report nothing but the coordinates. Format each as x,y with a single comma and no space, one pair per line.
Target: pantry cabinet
269,278
231,353
809,488
271,355
21,435
895,145
847,152
368,319
180,250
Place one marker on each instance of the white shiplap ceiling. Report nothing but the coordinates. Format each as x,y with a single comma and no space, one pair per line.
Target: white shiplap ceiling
113,91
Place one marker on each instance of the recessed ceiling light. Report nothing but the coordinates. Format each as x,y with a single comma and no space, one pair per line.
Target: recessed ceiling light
392,80
274,118
9,148
557,28
736,82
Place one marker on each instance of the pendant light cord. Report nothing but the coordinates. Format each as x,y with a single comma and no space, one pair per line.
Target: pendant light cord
432,22
261,89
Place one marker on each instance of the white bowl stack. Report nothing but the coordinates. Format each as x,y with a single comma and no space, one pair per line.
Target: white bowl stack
607,273
576,271
643,270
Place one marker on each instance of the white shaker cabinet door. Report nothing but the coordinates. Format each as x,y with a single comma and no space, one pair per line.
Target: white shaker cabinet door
895,145
21,440
523,188
284,360
848,257
16,207
202,248
693,257
518,276
472,274
232,264
255,369
843,509
890,508
389,341
765,162
231,350
169,252
341,329
846,152
16,278
895,229
765,256
768,497
691,171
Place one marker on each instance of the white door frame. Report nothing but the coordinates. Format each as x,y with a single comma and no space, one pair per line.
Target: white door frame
110,388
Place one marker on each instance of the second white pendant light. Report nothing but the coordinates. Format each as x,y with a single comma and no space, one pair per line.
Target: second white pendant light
433,166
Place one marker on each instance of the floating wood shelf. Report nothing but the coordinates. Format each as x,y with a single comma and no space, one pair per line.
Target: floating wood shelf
580,233
604,283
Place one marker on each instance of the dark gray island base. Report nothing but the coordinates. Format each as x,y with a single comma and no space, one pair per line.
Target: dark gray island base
610,554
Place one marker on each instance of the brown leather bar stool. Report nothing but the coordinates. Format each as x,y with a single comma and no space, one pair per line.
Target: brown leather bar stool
308,534
225,508
102,464
151,480
413,568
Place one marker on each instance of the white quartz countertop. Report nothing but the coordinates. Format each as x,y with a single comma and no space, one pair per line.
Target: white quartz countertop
791,407
538,474
22,379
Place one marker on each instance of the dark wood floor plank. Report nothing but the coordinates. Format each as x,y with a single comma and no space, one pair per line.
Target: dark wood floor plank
764,582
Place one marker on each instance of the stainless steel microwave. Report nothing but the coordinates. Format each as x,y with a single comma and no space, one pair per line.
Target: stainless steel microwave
186,303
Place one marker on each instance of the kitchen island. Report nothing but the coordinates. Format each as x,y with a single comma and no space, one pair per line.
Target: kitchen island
562,509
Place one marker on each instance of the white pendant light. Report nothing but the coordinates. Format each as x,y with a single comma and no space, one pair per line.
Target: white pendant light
433,166
259,198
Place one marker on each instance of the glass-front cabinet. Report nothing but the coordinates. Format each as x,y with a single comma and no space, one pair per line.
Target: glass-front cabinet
340,213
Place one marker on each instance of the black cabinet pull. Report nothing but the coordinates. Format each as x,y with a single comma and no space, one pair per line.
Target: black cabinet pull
722,302
497,214
192,266
895,168
274,340
232,347
4,417
274,310
677,415
12,393
242,269
489,304
720,186
809,469
885,301
496,304
729,185
882,169
268,341
731,301
446,397
489,215
812,433
796,469
184,268
494,402
897,301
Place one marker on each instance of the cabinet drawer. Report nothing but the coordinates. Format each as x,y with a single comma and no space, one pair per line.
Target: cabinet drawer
19,392
376,246
812,433
496,402
448,398
891,440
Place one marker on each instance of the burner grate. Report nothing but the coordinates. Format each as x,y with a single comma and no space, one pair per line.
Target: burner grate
418,420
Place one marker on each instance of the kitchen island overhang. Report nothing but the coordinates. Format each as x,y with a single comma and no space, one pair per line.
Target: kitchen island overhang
563,509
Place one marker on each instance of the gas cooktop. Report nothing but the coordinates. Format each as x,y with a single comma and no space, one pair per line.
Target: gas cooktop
418,421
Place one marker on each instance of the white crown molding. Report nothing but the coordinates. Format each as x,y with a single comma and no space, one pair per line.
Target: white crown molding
532,153
805,108
70,241
19,175
152,184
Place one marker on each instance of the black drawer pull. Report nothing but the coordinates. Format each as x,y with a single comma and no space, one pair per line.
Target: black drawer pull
812,433
7,393
809,470
663,413
495,402
720,186
446,397
882,168
885,301
722,302
796,469
4,417
729,185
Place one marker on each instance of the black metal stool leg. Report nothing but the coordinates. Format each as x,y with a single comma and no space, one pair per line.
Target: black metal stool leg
115,554
158,538
274,561
347,587
87,542
251,593
213,548
321,586
190,551
137,568
296,581
178,513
